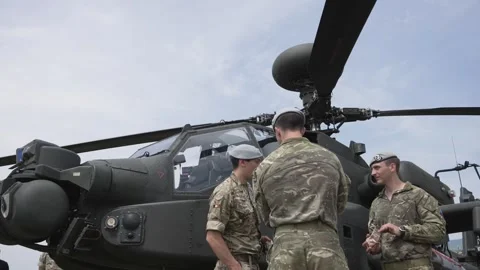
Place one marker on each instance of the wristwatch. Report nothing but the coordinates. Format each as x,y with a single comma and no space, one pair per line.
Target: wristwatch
402,231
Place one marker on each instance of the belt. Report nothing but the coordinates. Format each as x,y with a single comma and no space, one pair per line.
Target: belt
315,225
250,258
406,264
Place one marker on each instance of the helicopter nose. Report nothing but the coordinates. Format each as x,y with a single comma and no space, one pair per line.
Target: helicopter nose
32,211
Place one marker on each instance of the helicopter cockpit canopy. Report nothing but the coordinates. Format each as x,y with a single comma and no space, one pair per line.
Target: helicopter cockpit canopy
155,148
206,160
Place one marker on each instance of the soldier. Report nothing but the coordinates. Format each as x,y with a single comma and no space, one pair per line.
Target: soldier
300,189
47,263
404,220
232,223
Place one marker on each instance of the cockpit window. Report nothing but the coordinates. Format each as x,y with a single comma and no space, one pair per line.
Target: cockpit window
206,161
266,139
263,135
155,148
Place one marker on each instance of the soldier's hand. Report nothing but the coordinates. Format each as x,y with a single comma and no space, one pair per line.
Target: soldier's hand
265,239
371,245
365,244
374,248
369,242
389,227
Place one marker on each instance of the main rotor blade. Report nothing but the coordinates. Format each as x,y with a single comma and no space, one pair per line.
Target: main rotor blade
109,143
8,160
124,140
338,31
430,111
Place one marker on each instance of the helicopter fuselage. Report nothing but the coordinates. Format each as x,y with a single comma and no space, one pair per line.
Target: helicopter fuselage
150,210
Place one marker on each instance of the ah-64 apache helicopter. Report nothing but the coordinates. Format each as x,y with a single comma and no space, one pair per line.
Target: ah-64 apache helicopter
149,211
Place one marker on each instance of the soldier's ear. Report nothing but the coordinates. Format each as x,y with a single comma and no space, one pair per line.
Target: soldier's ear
242,162
391,166
278,133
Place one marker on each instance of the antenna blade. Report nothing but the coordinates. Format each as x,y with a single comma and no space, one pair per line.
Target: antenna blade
458,172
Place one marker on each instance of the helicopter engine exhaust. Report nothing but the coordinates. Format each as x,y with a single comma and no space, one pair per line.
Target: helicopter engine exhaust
40,200
111,181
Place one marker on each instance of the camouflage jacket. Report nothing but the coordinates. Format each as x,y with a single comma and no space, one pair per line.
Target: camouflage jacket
232,213
47,263
300,182
418,212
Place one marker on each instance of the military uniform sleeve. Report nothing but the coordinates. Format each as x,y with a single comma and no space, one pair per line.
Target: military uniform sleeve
219,211
372,223
343,189
263,211
432,227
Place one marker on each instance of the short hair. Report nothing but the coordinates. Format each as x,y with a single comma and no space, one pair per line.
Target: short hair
235,161
290,121
395,161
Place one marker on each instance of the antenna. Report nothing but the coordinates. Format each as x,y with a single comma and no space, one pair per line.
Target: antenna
456,164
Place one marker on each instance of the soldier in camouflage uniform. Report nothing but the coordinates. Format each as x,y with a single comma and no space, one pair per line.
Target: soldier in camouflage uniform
300,189
404,220
232,223
47,263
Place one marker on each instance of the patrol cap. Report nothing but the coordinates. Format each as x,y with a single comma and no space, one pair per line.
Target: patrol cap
382,157
287,110
245,151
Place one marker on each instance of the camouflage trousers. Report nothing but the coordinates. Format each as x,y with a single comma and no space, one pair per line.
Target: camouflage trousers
416,264
306,246
246,261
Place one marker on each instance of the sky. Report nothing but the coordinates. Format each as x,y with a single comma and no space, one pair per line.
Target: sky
79,71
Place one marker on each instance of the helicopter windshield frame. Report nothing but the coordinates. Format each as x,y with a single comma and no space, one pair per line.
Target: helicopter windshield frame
164,145
206,161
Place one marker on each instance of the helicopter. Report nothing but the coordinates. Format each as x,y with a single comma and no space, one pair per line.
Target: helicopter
149,211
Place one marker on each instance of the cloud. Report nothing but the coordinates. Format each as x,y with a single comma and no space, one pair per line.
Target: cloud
74,72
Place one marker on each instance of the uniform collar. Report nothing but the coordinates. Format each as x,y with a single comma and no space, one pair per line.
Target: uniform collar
294,140
235,179
408,186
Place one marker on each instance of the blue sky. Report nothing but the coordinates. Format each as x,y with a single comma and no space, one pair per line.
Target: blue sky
73,72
